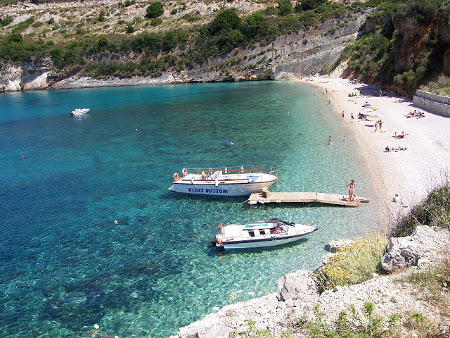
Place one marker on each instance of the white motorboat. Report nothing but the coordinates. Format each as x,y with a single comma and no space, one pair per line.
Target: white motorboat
79,111
236,181
260,234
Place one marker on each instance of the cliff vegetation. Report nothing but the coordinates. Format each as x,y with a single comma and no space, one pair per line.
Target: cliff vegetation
403,44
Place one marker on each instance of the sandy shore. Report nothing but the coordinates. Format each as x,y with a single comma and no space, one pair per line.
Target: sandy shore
411,173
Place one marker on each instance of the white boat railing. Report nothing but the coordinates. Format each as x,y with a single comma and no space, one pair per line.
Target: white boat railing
237,170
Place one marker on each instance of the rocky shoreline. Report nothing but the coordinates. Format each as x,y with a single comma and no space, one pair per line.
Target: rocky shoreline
298,294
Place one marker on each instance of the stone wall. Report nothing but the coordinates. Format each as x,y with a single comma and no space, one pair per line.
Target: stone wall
436,104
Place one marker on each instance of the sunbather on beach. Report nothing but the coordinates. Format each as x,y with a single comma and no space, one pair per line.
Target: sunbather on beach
399,136
388,149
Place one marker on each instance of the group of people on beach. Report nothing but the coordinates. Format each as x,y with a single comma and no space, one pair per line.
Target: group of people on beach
415,113
378,125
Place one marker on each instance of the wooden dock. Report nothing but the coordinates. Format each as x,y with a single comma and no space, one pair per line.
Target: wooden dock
266,196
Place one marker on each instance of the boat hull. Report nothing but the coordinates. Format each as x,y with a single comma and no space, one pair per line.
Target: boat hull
260,234
261,243
238,189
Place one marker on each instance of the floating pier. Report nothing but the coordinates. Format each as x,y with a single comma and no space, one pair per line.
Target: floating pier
266,196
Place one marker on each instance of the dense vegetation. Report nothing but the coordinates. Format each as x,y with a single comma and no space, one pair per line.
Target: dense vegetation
434,211
174,49
403,46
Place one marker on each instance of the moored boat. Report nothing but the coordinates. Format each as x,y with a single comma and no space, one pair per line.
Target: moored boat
235,181
260,234
79,111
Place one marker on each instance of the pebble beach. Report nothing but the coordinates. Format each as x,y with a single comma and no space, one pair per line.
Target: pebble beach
410,173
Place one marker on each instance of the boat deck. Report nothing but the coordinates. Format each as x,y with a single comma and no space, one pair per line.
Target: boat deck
266,196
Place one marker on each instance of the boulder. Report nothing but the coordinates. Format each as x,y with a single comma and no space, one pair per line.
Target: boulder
298,286
408,251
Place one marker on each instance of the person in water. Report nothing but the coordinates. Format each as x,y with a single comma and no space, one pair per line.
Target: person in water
330,141
351,187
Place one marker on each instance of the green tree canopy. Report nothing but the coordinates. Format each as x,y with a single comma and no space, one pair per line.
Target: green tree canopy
226,20
154,10
255,25
285,7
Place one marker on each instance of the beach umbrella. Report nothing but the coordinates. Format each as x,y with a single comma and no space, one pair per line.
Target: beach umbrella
366,104
368,109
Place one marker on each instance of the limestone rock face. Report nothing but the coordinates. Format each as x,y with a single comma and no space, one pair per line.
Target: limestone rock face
298,286
409,251
26,75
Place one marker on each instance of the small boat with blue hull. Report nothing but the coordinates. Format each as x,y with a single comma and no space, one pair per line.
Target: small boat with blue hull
260,234
233,181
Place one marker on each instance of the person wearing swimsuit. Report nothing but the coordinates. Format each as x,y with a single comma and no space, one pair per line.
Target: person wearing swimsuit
350,188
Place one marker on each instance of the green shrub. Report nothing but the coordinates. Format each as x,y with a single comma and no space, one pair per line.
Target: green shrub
156,22
190,17
154,10
440,86
284,7
101,16
225,20
354,263
255,26
23,25
289,24
6,21
308,5
434,211
352,323
129,29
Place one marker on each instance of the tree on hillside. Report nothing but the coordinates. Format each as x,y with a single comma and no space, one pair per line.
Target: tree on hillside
285,7
226,20
154,10
306,5
255,26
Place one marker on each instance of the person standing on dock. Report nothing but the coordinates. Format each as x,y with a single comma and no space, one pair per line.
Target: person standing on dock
351,187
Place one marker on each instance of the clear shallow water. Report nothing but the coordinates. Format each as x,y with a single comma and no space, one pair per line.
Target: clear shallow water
65,265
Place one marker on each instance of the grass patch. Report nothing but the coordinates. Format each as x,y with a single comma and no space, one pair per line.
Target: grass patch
354,263
352,323
433,285
440,87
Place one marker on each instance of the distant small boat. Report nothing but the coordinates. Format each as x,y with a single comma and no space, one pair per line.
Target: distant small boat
260,234
79,111
237,181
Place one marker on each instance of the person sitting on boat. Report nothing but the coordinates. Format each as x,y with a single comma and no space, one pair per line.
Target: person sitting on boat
176,177
204,175
184,172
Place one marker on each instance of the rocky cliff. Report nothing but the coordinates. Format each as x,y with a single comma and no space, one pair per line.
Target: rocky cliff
296,55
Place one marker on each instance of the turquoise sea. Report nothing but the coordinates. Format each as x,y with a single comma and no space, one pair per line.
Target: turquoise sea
65,264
